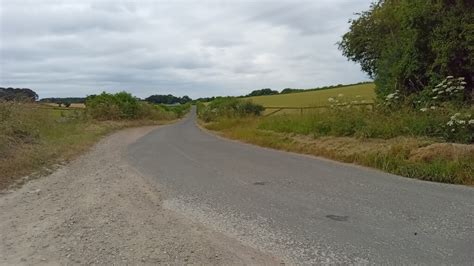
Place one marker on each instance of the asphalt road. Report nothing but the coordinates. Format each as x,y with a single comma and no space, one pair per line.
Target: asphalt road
305,209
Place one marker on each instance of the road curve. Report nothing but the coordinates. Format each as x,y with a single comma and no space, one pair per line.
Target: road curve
305,209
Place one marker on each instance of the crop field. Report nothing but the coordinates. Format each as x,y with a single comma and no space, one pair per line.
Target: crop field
360,93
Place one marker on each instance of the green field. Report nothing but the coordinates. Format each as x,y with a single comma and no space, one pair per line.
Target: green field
361,92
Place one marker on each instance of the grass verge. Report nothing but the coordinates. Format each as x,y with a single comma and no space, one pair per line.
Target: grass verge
415,157
34,139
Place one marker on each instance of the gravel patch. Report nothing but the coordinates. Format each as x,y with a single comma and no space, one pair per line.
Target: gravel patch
100,210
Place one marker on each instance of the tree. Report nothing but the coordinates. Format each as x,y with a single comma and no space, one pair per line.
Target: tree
410,45
168,99
17,94
266,91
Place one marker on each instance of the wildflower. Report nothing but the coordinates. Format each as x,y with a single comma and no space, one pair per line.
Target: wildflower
433,107
463,83
434,98
424,109
471,122
452,130
461,78
457,114
331,99
449,77
450,123
461,122
340,95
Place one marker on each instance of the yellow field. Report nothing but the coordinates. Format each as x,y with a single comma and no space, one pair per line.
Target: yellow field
360,93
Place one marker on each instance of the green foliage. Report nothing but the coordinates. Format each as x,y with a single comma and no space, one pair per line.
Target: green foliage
123,105
380,123
261,92
228,107
63,100
179,110
411,45
18,95
168,99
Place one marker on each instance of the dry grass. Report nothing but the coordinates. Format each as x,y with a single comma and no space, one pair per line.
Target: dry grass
34,139
414,157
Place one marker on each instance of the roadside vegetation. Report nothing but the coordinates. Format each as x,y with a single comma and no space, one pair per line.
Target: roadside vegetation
421,123
34,137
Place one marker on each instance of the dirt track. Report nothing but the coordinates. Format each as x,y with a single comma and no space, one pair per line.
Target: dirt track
99,210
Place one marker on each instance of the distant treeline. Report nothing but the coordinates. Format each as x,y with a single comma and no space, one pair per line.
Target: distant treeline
18,94
268,91
64,100
156,99
168,99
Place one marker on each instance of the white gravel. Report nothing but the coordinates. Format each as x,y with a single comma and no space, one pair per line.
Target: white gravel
99,210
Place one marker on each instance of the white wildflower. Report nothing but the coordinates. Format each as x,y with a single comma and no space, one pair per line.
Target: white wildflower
471,122
331,99
340,95
424,109
461,122
433,107
449,77
450,123
435,97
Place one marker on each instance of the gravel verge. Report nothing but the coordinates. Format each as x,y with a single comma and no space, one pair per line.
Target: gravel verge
100,210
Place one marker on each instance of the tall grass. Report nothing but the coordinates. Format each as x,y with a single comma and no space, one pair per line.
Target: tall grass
33,137
364,123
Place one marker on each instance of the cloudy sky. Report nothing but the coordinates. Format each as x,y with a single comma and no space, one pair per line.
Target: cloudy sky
196,48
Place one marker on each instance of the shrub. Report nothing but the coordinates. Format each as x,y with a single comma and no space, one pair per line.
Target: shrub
228,107
123,105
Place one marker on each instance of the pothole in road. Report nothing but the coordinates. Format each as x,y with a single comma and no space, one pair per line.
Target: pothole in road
338,218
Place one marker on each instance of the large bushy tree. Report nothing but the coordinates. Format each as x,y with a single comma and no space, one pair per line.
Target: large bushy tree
18,94
411,45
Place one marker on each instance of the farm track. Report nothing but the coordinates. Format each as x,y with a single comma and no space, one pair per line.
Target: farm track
100,210
306,209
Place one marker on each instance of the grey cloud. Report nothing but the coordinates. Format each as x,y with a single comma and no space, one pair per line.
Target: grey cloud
204,48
